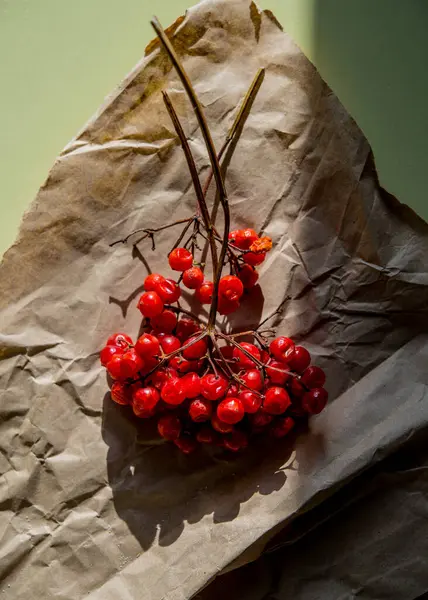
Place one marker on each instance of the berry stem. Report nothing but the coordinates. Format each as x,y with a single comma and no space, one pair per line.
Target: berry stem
195,177
151,231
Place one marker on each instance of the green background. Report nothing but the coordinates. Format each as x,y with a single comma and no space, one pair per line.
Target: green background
59,59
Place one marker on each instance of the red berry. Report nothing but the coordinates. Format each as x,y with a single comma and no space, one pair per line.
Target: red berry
152,280
276,372
281,427
200,410
219,425
230,288
120,393
296,388
251,401
170,343
254,258
108,352
186,444
282,348
180,364
314,401
230,410
150,304
180,259
243,361
206,435
172,391
249,276
147,346
253,379
299,359
313,377
276,401
193,278
186,328
260,419
121,340
196,350
131,363
169,427
145,399
168,290
232,390
114,367
204,293
243,238
213,387
227,307
192,385
165,322
161,376
235,441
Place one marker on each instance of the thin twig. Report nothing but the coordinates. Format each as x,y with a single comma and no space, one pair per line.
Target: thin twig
149,231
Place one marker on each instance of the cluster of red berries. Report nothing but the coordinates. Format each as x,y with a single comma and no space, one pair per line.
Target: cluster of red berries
161,291
167,375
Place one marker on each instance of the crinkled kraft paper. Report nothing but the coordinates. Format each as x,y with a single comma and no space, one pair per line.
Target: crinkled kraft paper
91,508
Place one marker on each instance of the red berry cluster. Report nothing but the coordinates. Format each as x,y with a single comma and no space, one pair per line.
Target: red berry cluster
168,375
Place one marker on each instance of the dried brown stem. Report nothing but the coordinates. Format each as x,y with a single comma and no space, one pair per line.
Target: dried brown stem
150,231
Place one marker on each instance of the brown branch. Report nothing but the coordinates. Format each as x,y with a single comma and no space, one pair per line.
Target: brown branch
149,231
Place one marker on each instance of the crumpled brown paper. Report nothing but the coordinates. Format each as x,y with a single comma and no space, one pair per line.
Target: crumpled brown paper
90,509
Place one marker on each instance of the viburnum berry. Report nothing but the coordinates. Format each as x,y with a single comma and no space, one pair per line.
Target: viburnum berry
230,288
249,276
261,244
200,409
220,426
150,304
204,293
165,322
282,348
253,379
169,427
260,420
145,398
152,280
191,383
206,435
168,290
299,359
161,376
121,340
314,401
227,352
131,363
276,372
243,238
242,360
186,328
120,393
235,441
227,307
186,444
181,365
251,401
108,352
114,367
254,258
180,259
172,391
193,278
213,387
281,427
232,390
147,346
196,350
313,377
169,343
230,410
276,401
296,388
